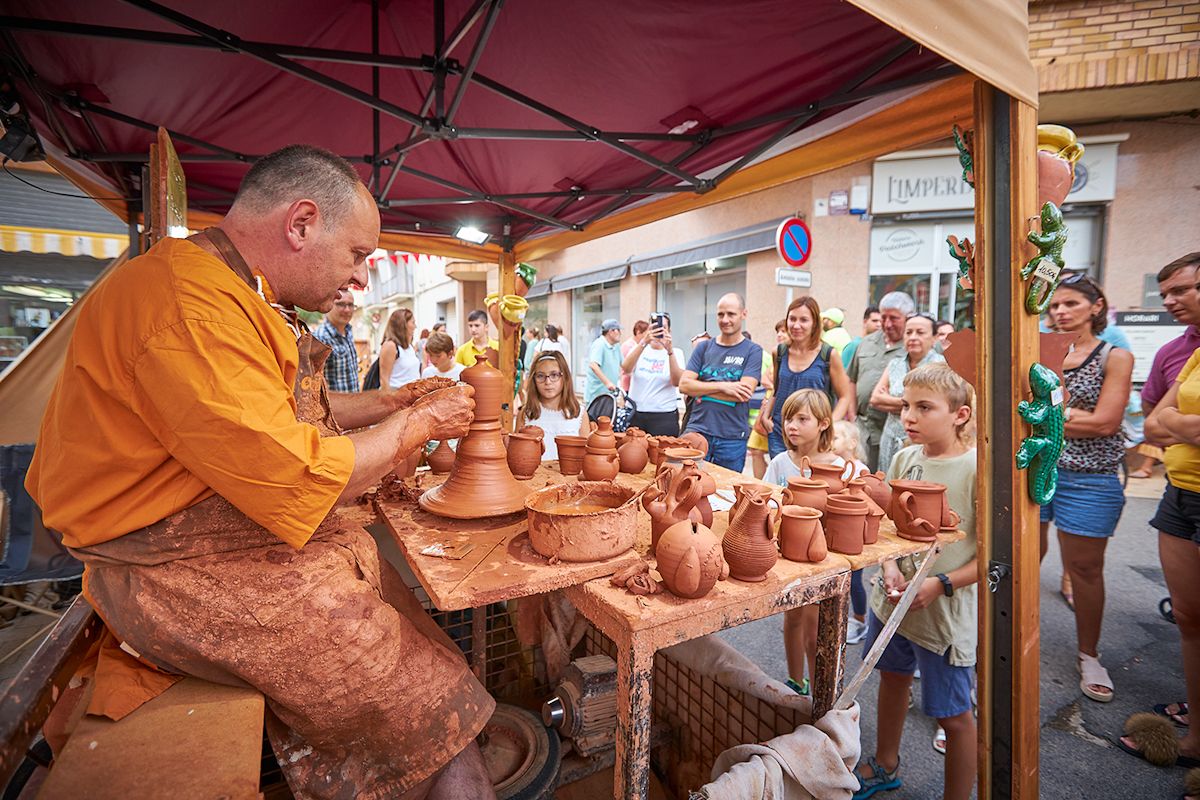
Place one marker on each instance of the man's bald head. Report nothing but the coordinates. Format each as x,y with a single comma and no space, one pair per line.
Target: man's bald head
297,172
731,312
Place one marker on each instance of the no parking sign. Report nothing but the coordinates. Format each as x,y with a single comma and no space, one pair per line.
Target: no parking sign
793,241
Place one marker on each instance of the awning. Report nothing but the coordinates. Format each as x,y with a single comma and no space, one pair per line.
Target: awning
67,243
539,289
589,277
752,239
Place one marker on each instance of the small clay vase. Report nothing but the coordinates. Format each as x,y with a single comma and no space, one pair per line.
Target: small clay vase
877,486
600,466
524,454
802,491
571,450
603,438
671,497
749,543
846,524
634,452
801,536
950,518
917,509
689,558
441,459
652,449
834,476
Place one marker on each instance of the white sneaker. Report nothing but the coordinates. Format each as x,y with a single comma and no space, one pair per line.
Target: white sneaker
856,631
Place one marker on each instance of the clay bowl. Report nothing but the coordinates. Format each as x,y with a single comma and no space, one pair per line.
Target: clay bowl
584,521
677,455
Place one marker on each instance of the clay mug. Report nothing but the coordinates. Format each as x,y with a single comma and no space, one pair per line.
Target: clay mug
918,509
801,536
834,476
570,453
749,542
524,454
441,459
846,524
600,466
801,491
689,559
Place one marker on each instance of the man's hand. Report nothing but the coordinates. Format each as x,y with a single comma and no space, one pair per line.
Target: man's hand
448,412
931,589
411,392
738,391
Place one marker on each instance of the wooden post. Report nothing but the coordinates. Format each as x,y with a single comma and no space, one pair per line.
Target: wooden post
164,196
509,337
1007,520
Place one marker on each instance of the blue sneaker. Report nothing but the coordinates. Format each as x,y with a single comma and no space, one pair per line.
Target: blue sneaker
798,688
880,781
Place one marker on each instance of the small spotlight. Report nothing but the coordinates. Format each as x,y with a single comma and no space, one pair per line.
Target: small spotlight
472,234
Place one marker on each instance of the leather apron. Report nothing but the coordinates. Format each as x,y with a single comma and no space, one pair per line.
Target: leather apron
368,697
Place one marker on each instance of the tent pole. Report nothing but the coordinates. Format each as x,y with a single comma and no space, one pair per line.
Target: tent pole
1008,526
509,337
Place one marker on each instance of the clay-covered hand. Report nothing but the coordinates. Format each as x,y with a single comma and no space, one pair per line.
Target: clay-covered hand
412,391
448,412
893,581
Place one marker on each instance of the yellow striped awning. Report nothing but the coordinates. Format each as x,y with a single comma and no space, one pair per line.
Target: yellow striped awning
68,243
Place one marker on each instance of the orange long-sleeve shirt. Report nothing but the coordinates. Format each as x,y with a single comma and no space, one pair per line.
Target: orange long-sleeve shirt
177,385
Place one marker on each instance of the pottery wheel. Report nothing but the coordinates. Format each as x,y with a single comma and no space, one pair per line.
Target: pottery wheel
521,754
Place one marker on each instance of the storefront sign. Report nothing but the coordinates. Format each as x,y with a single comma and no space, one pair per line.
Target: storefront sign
793,241
934,183
1147,331
799,278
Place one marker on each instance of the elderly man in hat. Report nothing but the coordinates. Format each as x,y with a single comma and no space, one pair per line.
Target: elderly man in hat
604,362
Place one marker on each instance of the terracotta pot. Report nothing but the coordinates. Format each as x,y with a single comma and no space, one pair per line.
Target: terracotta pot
917,507
492,303
441,459
600,466
634,454
665,443
871,532
652,449
696,441
834,477
571,450
950,518
524,454
581,521
677,455
749,545
877,486
603,437
857,487
846,524
802,491
671,497
801,536
689,558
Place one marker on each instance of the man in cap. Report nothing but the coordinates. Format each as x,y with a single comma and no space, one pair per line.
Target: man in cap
604,362
834,334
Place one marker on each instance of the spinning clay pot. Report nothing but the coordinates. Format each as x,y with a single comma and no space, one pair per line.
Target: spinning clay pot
690,559
801,536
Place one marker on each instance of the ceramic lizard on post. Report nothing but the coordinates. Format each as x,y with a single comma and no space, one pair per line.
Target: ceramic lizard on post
1047,265
965,142
1039,452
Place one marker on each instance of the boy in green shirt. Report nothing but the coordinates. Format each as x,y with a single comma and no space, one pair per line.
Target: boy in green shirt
939,633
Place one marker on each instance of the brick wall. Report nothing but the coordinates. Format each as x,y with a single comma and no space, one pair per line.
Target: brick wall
1088,44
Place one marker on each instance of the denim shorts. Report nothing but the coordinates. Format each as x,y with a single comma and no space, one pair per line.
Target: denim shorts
1178,514
1086,504
727,453
945,688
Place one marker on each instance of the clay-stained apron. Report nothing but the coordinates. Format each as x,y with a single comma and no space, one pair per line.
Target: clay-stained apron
369,697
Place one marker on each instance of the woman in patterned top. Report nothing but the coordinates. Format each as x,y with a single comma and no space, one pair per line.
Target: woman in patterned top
1089,499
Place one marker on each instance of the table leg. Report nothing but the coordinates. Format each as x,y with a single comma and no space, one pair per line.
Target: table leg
831,650
479,643
635,673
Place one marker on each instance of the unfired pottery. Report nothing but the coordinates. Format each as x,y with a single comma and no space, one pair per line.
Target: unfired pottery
480,483
689,558
802,491
878,488
950,518
602,438
696,441
525,454
834,476
600,466
584,521
749,543
570,453
441,459
846,524
801,536
634,452
917,509
652,449
671,497
702,512
677,455
664,443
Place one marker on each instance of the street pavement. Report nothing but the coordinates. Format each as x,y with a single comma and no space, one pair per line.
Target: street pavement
1078,759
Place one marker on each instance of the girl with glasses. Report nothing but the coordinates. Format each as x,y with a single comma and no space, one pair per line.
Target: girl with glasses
550,402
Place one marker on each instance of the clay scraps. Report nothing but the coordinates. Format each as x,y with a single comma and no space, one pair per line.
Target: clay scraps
636,579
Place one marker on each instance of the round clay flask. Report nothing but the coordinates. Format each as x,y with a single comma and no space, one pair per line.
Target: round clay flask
524,454
690,560
801,536
634,454
441,459
802,491
846,524
600,466
570,453
749,544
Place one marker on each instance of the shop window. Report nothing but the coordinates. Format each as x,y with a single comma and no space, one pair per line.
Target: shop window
538,314
590,306
690,294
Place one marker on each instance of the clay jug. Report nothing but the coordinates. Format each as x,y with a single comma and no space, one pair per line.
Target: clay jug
950,518
877,486
689,559
846,524
834,476
917,507
441,459
603,437
670,498
702,512
857,487
570,453
802,491
524,454
600,466
634,453
801,536
749,544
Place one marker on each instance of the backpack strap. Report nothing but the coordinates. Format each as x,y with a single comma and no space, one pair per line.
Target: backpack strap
780,354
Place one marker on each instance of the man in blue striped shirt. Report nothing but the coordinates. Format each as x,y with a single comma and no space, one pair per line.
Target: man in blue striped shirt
341,368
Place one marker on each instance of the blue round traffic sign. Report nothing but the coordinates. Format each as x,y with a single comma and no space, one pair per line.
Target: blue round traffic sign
793,241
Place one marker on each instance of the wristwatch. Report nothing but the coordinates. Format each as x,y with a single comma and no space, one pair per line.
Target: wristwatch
947,586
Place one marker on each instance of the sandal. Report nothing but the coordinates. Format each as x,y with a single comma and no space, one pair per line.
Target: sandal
1180,760
939,740
1093,674
1179,716
880,780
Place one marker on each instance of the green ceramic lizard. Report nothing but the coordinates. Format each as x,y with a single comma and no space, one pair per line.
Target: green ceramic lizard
1040,451
1048,263
965,142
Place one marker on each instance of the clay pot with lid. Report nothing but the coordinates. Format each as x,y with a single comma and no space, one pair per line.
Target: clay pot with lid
634,452
571,450
689,559
441,458
846,524
801,536
671,497
917,509
835,477
600,466
749,543
603,437
801,491
525,452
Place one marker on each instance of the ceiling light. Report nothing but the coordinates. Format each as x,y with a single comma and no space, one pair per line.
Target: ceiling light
469,233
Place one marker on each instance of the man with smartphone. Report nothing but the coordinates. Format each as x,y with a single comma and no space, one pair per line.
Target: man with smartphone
655,368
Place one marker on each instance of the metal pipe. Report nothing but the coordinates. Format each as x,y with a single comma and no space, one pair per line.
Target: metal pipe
443,47
570,135
485,198
464,81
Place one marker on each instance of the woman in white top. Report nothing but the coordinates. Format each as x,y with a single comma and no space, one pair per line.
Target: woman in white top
655,367
550,402
398,357
554,341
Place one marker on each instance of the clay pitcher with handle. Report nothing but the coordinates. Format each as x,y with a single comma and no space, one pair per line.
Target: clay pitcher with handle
525,452
877,487
749,543
670,499
835,477
801,491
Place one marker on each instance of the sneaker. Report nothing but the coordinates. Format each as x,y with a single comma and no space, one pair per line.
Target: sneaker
856,631
916,674
880,780
798,688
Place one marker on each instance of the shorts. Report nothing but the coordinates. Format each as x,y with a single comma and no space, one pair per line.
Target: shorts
945,688
1086,504
1179,514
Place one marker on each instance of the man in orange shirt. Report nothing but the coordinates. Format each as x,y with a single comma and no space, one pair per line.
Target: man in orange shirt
191,454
